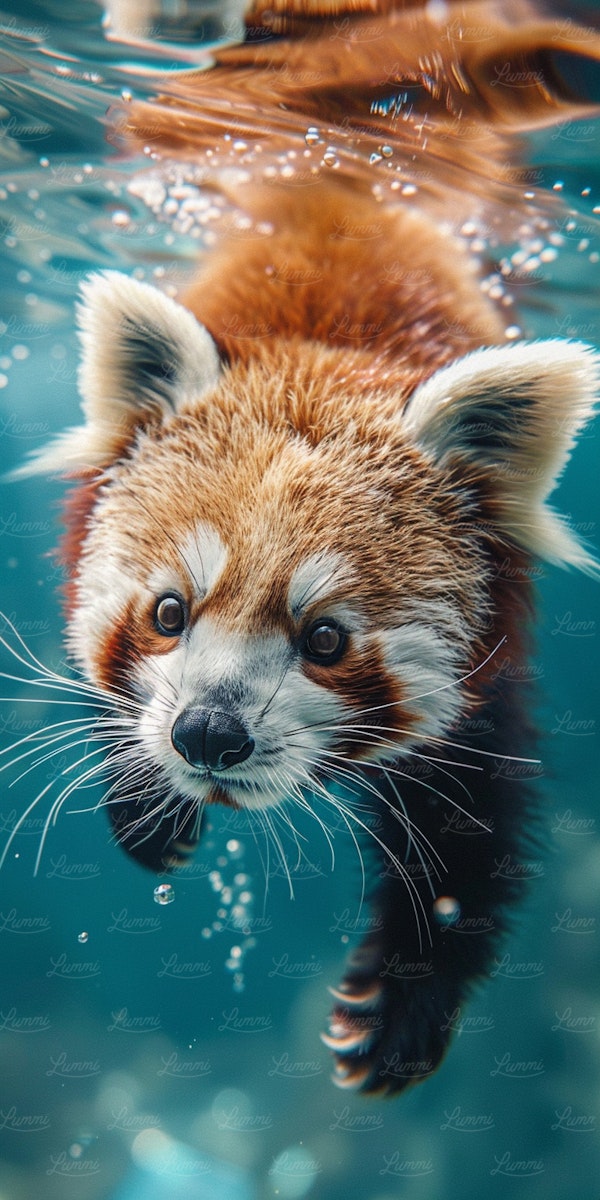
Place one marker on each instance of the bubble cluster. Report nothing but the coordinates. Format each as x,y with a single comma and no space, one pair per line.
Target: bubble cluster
176,197
232,887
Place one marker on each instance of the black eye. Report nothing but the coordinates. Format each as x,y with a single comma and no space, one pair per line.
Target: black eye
169,615
324,642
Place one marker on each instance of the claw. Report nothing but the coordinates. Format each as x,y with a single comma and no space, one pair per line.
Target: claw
347,1078
345,1043
357,999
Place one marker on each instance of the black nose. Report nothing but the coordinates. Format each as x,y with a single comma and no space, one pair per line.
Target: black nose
210,738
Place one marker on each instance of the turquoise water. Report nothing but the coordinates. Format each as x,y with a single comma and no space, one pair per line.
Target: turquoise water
139,1057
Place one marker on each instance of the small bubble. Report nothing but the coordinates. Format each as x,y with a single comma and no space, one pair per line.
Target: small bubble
330,157
311,136
386,151
164,894
512,332
446,910
82,937
121,218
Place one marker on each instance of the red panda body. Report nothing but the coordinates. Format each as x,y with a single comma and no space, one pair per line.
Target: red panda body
310,500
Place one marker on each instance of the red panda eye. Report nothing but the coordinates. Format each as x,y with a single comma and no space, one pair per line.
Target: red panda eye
169,615
324,642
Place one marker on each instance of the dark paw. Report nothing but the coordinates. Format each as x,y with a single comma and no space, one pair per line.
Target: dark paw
391,1029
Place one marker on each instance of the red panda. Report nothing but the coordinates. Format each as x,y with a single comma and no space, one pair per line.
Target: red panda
309,495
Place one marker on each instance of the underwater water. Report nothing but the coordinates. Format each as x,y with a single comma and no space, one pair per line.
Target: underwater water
159,1037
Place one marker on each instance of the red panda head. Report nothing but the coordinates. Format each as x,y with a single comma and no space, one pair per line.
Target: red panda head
288,568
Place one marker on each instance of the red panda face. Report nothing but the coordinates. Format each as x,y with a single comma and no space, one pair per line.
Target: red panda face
287,567
271,608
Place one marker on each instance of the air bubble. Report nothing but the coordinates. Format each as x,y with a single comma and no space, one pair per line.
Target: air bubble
164,894
82,937
330,157
311,137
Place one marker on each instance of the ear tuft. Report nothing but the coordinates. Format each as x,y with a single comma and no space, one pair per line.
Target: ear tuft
143,356
513,414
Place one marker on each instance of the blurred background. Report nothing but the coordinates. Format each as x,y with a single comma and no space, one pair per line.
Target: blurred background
171,1049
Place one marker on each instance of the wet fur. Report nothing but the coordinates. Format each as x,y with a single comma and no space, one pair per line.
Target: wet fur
324,406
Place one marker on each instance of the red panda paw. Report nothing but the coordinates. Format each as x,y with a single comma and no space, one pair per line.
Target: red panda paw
386,1033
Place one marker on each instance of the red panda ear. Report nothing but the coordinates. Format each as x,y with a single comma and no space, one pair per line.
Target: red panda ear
143,356
511,416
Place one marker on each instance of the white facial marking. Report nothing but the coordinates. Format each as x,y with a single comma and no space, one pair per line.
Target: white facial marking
105,592
315,578
202,557
428,663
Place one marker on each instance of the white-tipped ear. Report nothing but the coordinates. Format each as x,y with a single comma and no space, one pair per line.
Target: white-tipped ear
512,415
143,356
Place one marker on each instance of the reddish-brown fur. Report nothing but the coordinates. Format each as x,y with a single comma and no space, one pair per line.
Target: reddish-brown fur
333,291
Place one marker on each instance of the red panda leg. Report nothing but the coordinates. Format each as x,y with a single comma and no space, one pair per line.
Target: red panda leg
435,931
